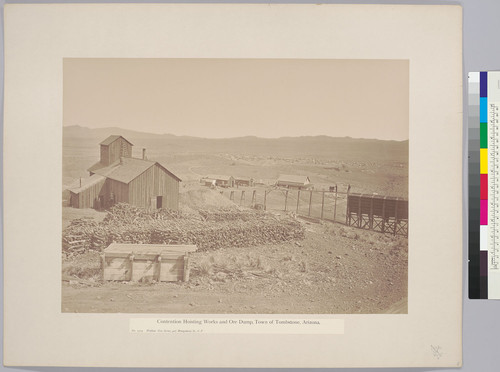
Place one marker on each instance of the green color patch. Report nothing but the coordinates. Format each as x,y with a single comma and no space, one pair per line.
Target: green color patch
484,135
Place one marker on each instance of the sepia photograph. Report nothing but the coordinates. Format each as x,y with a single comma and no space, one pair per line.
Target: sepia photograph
234,177
237,186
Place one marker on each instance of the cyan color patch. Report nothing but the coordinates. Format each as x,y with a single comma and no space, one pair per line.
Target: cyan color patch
483,110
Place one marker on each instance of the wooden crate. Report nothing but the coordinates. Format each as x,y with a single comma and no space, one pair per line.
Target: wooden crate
146,262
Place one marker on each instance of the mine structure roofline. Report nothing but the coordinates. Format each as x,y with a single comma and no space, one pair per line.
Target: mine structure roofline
125,170
113,138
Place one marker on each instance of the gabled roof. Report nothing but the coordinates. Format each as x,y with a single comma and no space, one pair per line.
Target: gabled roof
127,169
166,170
303,180
96,166
112,139
85,183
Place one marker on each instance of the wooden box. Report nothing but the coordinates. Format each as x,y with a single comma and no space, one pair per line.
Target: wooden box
146,262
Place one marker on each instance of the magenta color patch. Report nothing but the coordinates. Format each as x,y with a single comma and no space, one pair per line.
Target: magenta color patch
483,220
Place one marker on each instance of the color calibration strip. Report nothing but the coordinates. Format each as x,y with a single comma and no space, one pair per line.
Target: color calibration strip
484,185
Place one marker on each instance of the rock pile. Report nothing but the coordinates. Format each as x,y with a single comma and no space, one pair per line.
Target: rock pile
209,230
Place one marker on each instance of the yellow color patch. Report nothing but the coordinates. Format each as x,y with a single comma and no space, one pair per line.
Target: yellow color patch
483,160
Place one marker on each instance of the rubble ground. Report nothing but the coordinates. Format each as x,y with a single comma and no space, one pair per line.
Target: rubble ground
334,269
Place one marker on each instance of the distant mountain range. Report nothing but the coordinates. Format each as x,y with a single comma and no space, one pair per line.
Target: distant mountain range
342,148
90,133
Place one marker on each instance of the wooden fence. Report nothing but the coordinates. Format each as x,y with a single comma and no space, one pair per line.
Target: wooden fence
366,211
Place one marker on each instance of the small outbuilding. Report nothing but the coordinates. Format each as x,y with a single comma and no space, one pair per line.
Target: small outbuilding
208,182
294,182
220,180
243,181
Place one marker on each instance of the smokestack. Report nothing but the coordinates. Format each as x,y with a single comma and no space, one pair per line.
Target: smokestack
144,154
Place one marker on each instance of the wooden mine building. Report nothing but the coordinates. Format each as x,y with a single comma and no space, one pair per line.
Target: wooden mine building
243,181
118,177
220,180
294,182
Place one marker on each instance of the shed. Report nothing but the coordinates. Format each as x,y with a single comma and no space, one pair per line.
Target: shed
208,182
85,193
292,181
221,180
243,181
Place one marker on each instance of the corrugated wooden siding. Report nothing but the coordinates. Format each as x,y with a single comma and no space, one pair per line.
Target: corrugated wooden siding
154,182
119,148
115,150
74,201
87,197
104,155
119,189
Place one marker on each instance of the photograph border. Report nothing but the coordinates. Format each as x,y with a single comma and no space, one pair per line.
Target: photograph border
429,36
349,155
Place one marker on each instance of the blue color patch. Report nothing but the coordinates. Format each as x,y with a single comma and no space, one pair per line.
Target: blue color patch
483,109
483,84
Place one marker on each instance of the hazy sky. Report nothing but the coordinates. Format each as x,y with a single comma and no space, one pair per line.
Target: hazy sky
239,97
